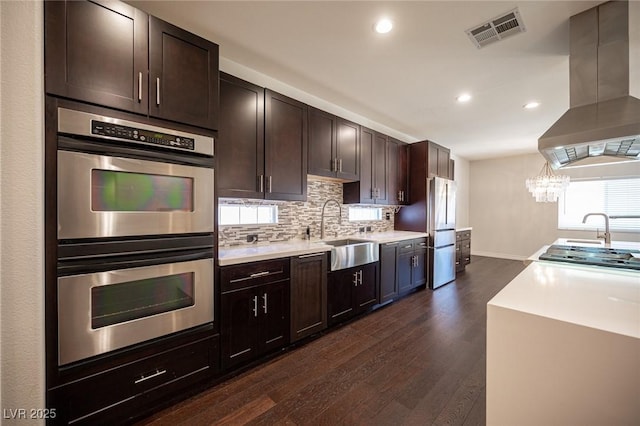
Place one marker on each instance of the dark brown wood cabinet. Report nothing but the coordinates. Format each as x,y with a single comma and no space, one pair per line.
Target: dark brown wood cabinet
463,250
388,271
240,147
308,295
351,291
372,188
334,145
114,55
438,161
397,157
254,310
412,265
183,76
285,148
134,386
262,144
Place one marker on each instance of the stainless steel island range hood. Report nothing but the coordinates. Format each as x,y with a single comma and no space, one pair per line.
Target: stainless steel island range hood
602,124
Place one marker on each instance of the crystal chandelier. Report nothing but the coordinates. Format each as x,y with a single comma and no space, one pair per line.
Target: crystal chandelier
547,186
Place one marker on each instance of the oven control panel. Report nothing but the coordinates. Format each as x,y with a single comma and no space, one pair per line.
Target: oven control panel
134,134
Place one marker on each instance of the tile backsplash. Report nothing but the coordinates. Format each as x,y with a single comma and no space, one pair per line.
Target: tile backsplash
295,216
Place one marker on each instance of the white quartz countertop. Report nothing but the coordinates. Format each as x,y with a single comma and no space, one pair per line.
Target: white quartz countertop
606,299
245,254
253,253
468,228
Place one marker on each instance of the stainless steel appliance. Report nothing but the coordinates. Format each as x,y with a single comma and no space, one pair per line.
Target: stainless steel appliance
135,215
441,217
120,195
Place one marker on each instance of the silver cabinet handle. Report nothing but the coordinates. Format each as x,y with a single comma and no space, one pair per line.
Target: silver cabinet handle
264,299
355,279
360,273
259,274
261,180
334,164
270,182
158,91
140,86
340,165
150,376
304,256
255,306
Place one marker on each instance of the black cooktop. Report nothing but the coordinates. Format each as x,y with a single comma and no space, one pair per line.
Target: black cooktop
597,256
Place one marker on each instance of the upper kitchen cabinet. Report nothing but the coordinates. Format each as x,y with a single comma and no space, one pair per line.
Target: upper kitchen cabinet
262,143
98,53
285,142
114,55
438,161
333,146
183,75
372,188
397,156
240,148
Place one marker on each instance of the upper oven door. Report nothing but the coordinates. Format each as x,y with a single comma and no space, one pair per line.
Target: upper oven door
104,196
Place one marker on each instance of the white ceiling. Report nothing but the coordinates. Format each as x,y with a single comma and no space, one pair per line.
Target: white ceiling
406,80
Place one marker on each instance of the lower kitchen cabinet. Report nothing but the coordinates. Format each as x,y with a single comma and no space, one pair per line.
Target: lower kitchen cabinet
308,295
254,310
388,271
411,264
351,291
118,394
463,250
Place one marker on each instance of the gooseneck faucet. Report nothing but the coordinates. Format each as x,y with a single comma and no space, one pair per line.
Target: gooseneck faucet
330,200
607,234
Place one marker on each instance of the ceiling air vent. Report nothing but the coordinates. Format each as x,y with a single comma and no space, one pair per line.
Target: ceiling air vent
496,29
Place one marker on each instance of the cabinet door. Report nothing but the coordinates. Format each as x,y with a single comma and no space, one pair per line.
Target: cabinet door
183,75
380,173
405,266
340,295
419,273
403,173
388,282
238,320
308,295
285,148
322,148
348,149
443,163
273,318
97,52
393,184
240,145
366,291
367,140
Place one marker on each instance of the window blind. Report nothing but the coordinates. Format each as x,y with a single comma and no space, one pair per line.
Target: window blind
615,196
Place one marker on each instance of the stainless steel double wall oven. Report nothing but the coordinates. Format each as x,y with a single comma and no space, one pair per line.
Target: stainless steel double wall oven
135,233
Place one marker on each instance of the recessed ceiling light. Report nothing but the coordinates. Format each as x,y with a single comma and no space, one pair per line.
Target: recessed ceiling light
465,97
531,105
383,26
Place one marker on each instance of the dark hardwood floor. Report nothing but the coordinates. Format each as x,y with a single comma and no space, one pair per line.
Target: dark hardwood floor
418,361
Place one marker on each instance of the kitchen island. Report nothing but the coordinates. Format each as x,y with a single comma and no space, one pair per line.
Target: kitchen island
563,347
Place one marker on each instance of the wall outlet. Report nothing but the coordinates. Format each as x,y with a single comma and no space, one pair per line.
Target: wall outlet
252,238
368,229
387,216
361,229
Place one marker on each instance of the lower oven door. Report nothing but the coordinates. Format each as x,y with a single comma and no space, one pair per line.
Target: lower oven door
103,311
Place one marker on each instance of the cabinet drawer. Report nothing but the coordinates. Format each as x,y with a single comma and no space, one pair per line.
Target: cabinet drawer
408,246
252,274
126,390
463,235
465,245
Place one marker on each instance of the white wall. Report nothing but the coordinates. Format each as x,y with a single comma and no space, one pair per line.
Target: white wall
506,220
461,176
22,376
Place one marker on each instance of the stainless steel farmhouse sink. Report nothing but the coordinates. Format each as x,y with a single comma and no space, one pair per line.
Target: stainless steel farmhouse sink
349,252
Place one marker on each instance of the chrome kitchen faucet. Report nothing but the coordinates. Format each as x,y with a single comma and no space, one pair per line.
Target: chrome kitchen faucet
323,216
607,234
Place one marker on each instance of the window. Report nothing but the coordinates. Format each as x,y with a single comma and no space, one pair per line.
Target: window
364,213
239,214
620,196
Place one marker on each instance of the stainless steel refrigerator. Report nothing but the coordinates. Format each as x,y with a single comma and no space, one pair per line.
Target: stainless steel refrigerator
441,215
